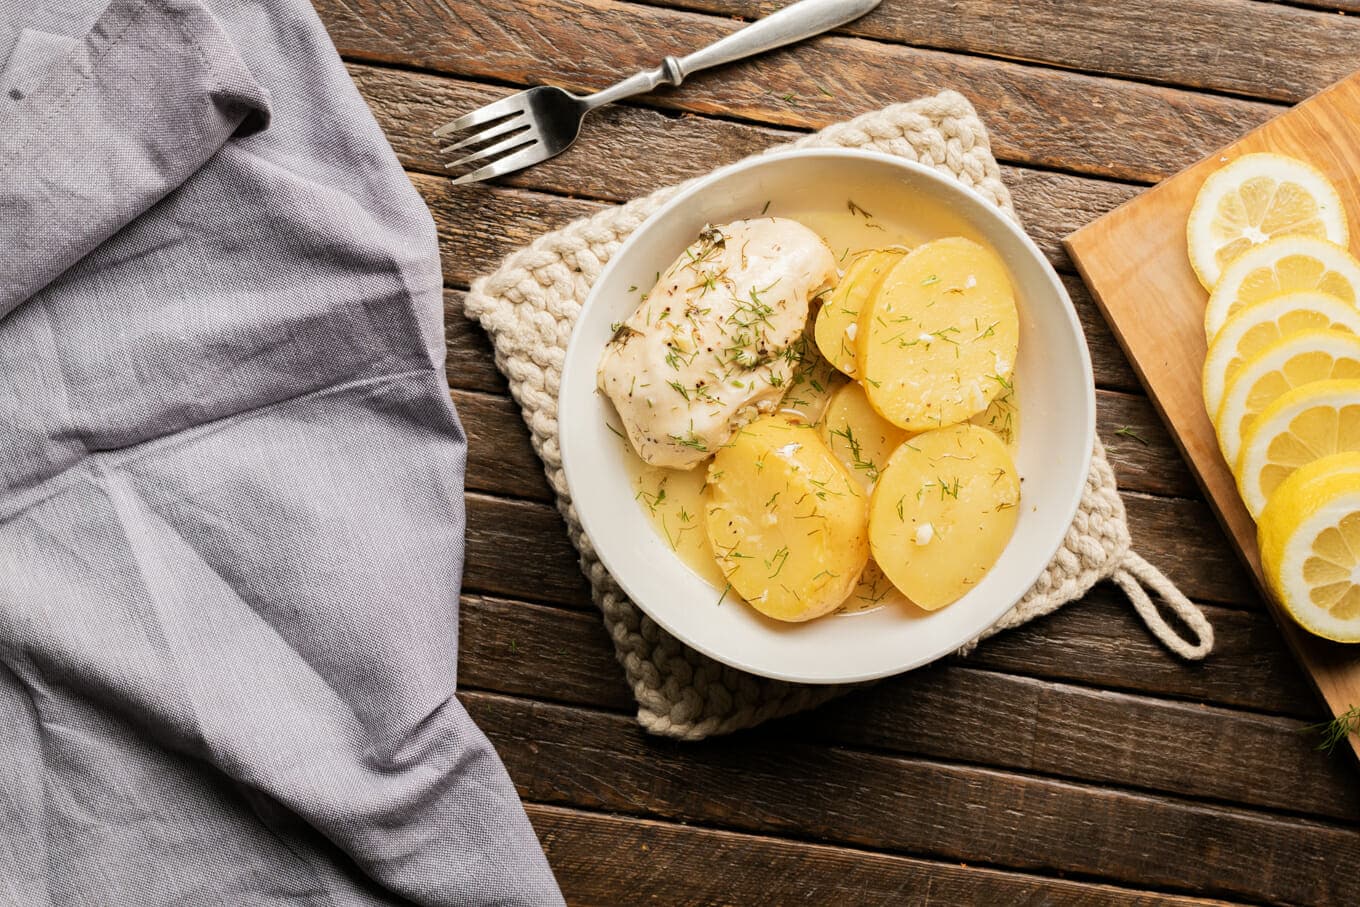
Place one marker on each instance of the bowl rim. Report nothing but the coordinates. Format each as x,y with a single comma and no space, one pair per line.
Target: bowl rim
948,184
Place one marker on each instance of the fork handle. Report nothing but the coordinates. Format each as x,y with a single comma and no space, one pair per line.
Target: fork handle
790,24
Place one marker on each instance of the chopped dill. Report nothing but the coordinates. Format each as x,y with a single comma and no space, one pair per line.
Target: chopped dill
777,562
691,440
1126,431
653,501
857,452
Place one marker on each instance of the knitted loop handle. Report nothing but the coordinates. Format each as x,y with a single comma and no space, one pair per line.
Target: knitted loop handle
1132,576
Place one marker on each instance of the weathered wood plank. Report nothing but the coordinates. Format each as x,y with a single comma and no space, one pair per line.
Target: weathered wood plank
1209,44
604,861
624,151
540,650
1058,120
1097,736
481,224
520,549
1099,641
956,712
1136,443
1181,537
760,782
1108,365
471,362
501,458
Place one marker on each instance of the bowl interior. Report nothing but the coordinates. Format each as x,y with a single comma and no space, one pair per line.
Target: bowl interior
1053,379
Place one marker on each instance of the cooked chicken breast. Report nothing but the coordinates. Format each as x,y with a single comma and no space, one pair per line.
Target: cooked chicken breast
715,342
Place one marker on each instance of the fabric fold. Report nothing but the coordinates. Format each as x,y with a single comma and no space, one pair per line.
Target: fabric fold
122,119
231,485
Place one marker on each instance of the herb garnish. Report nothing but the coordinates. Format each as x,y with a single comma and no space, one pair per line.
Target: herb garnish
857,210
1126,431
1335,732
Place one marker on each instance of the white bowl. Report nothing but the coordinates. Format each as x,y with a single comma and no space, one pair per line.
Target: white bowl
1057,424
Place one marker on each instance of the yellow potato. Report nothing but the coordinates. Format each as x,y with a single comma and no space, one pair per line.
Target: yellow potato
788,524
937,342
942,512
859,437
838,320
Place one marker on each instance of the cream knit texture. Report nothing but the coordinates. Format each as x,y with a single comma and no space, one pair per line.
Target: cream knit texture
528,307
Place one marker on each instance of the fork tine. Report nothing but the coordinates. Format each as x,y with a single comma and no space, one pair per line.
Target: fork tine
500,148
492,111
514,124
517,161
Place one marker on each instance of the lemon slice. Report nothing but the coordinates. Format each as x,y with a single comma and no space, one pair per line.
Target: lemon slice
1309,538
1256,198
1251,330
1306,424
1282,266
1296,360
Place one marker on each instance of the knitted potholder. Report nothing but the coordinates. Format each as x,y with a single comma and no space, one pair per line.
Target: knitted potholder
528,307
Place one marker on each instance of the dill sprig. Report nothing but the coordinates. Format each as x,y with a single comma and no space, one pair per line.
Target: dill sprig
856,209
857,452
1336,732
691,440
652,501
1126,431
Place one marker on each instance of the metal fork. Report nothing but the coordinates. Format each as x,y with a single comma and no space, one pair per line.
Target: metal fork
534,125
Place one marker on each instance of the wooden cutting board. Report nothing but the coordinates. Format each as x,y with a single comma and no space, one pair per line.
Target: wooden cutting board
1134,260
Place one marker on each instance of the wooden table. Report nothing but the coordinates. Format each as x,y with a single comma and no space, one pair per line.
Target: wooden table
1069,761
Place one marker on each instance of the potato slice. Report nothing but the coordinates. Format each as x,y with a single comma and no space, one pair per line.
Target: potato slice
938,340
838,320
788,524
942,512
859,437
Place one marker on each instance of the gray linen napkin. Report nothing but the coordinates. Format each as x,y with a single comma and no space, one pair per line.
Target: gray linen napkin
231,518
